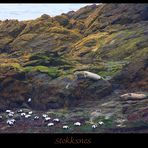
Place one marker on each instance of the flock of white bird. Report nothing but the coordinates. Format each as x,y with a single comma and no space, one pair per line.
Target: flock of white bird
11,121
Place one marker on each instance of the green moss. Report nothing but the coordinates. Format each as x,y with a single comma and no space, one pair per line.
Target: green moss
48,59
40,56
138,54
52,72
111,68
127,43
28,69
89,46
125,49
16,65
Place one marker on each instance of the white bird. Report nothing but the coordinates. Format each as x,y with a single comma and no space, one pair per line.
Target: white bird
27,116
101,123
30,112
44,115
119,125
94,126
77,123
10,114
8,111
1,117
65,126
29,100
23,114
50,124
10,121
36,117
56,120
47,118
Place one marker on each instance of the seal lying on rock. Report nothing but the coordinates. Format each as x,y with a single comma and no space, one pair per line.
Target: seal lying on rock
87,74
133,96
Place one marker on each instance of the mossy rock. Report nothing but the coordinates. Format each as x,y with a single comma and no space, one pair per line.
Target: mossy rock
111,68
47,59
52,72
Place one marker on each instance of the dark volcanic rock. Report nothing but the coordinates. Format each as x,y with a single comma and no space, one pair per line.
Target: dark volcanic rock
47,93
134,75
13,93
55,94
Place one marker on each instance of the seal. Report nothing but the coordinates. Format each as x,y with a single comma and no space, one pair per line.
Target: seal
87,74
133,96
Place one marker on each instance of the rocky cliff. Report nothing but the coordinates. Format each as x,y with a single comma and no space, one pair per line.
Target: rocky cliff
38,57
